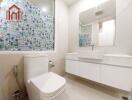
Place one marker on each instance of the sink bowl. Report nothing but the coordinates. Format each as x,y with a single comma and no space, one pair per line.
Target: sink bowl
97,55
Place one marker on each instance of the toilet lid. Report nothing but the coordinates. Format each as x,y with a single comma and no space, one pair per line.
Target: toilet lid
48,84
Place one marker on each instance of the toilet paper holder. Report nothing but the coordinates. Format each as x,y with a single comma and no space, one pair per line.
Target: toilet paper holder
51,64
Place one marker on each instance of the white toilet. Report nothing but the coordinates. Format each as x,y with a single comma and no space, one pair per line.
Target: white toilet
41,84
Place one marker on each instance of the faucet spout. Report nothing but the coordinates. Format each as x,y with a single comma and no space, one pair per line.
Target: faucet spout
93,47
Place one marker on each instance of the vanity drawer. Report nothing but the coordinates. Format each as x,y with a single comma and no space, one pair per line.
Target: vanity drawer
89,71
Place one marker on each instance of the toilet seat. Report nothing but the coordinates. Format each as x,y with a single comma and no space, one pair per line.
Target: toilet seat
48,85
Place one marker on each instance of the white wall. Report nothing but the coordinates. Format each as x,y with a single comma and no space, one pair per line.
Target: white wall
124,22
61,32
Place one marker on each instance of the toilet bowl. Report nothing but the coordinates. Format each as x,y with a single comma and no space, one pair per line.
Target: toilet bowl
48,86
41,84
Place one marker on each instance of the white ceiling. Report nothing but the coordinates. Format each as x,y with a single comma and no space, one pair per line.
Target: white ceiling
70,2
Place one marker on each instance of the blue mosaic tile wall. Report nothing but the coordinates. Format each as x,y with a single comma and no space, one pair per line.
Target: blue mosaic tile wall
35,31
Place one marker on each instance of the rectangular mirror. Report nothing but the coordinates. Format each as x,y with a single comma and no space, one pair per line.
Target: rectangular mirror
97,26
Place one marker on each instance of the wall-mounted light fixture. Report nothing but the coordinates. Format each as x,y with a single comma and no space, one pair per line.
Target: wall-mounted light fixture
44,9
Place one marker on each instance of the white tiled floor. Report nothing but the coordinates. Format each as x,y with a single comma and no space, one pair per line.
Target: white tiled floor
77,89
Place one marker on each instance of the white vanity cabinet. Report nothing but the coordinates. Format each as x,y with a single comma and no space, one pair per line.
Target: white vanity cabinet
72,67
89,71
105,72
86,70
118,77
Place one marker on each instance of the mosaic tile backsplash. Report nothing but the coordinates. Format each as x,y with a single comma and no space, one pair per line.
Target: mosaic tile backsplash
35,31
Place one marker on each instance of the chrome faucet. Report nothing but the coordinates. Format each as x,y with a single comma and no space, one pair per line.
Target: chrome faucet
92,47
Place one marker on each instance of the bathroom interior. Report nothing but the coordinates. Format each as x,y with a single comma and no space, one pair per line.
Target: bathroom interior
65,50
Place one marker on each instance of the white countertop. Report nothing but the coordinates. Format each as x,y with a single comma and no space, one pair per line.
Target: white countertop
112,59
118,55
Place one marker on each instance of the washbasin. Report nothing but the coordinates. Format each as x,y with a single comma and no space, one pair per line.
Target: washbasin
98,55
